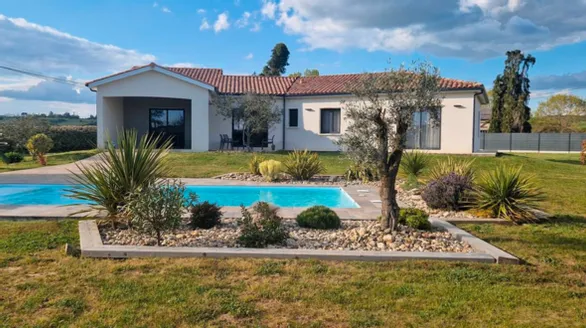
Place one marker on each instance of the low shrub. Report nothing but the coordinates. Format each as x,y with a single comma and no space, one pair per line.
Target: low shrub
451,165
70,138
205,215
12,157
39,145
414,218
362,171
270,170
254,163
158,208
262,227
302,165
318,217
507,194
447,192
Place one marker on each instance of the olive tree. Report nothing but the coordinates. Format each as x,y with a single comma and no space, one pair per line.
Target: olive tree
256,112
380,116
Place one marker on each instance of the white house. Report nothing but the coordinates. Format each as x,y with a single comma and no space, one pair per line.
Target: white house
176,101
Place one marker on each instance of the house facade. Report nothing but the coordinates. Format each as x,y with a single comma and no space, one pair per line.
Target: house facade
177,102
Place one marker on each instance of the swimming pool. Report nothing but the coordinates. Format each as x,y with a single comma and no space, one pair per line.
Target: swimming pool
282,196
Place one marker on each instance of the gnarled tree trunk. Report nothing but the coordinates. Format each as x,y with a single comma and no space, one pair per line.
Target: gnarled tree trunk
389,206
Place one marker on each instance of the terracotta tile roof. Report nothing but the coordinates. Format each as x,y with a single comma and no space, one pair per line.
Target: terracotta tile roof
341,84
280,85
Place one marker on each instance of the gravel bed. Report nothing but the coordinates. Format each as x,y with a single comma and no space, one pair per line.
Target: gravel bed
353,235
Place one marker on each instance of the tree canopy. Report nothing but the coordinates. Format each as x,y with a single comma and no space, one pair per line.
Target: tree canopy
276,66
560,113
380,118
510,110
308,72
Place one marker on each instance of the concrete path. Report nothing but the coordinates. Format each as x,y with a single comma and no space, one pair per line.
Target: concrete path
57,174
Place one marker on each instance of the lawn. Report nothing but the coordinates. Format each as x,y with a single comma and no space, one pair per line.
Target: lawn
561,175
41,287
52,159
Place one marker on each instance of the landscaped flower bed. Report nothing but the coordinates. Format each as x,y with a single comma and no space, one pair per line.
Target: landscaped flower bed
352,235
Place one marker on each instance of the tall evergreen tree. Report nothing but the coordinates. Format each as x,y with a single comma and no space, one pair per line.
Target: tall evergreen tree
510,112
276,66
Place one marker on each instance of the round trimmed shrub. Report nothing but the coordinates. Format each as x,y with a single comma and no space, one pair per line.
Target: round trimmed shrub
205,215
414,218
12,157
318,217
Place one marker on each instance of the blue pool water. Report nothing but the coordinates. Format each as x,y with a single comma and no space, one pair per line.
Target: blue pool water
25,194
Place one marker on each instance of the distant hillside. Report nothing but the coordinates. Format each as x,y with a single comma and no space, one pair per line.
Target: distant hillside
58,120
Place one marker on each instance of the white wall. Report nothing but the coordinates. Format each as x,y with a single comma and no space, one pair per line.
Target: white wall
110,118
457,123
155,84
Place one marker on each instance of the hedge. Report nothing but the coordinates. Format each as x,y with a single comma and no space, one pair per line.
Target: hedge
72,137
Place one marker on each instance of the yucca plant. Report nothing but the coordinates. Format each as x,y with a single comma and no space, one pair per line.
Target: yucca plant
119,172
302,165
451,165
361,171
253,164
508,194
414,164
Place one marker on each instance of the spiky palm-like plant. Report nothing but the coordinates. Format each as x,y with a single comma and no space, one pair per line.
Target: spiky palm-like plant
302,165
452,165
508,194
120,172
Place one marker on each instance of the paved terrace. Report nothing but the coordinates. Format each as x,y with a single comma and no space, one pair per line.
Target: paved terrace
365,196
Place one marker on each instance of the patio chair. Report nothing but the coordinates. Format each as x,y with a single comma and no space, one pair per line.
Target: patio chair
225,140
267,142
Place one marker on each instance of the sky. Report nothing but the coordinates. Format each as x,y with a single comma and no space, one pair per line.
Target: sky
77,41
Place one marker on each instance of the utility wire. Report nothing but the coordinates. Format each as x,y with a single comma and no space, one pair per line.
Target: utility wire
42,76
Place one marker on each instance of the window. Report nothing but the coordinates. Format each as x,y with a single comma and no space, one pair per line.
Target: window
293,117
424,132
330,120
168,123
238,136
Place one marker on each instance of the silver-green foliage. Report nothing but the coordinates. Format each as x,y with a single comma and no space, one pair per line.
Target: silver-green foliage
508,194
121,171
158,207
303,165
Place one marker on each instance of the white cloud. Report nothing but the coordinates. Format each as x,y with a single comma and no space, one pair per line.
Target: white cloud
222,22
166,10
204,25
243,21
269,9
44,49
249,56
255,27
184,64
155,4
575,80
455,28
201,11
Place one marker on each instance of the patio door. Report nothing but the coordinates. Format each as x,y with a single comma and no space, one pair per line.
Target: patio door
168,123
238,136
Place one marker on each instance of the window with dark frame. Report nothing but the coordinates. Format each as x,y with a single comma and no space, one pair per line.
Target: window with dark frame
330,120
424,132
293,117
168,123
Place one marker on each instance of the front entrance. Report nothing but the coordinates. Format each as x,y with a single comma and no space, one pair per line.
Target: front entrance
168,123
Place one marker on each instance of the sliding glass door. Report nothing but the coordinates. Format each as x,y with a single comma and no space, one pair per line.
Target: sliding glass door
238,136
168,123
424,132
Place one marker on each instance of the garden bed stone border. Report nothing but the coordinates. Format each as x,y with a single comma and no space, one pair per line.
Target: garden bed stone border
92,246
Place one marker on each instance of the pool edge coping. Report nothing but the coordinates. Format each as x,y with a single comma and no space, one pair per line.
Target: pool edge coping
92,246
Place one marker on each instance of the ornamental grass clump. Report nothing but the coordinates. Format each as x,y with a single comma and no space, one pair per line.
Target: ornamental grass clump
254,163
303,165
38,146
157,208
270,170
261,227
448,192
452,165
508,194
414,164
318,217
362,171
119,172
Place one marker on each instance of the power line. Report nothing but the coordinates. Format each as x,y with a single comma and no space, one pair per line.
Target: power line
42,76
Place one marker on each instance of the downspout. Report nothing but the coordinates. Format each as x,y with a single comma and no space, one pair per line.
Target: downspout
284,118
474,127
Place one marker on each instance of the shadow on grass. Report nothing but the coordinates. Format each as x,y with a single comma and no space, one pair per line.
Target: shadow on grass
566,161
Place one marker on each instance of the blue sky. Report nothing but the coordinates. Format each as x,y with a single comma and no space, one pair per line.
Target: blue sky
466,39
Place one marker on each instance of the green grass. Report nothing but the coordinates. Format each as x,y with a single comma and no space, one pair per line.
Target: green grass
41,287
52,159
561,175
